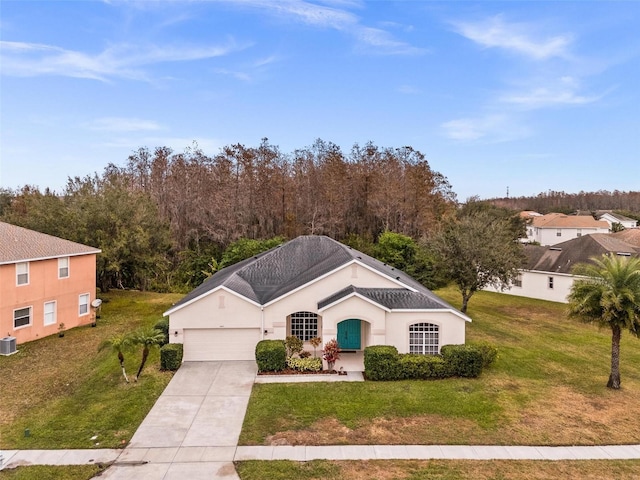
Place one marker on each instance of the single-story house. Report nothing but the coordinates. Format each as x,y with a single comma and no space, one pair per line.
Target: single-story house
312,286
548,276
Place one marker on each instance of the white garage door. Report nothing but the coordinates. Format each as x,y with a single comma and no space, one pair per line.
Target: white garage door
220,344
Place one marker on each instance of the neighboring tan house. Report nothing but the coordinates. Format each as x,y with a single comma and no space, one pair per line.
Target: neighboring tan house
312,286
554,228
44,281
548,272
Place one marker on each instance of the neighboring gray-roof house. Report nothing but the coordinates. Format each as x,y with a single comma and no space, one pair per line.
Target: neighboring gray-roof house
548,272
312,286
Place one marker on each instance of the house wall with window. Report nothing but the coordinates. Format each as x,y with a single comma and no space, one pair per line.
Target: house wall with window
554,287
451,328
37,296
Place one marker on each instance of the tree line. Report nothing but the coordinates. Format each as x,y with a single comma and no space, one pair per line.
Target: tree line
626,203
165,220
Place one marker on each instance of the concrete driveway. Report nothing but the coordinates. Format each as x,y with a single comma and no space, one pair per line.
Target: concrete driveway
193,429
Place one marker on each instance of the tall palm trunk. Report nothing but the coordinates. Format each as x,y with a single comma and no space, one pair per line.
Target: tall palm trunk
121,358
145,354
614,377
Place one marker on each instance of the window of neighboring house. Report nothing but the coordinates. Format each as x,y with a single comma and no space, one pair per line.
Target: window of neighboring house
63,267
579,232
424,338
83,308
303,325
22,317
559,232
49,313
22,273
550,283
517,282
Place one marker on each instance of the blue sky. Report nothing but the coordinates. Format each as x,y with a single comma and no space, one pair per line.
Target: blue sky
533,96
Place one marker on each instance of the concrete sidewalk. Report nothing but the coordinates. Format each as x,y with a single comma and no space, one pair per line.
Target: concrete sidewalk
16,458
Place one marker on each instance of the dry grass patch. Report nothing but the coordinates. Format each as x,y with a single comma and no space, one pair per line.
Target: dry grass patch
440,470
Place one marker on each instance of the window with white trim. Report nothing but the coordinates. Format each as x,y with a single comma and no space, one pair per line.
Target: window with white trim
424,338
550,283
63,267
22,273
303,325
83,304
517,282
49,313
578,232
559,232
22,317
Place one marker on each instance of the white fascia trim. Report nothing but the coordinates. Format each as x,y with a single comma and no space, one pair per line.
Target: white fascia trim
51,257
351,295
206,294
433,310
341,267
543,272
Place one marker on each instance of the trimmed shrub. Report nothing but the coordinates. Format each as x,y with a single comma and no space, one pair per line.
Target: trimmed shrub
421,366
489,353
163,326
293,345
381,362
305,364
462,360
171,356
271,355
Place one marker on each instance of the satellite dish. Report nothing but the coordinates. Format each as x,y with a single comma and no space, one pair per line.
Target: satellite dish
96,303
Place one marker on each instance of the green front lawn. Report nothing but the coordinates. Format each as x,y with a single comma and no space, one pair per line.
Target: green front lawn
547,387
439,470
49,472
62,392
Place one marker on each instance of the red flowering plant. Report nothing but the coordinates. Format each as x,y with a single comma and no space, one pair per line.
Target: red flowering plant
331,353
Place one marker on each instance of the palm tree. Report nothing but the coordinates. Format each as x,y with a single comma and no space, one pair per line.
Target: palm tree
609,295
118,343
147,338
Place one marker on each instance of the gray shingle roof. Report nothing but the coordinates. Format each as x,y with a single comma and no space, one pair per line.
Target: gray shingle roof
282,269
391,298
561,258
19,244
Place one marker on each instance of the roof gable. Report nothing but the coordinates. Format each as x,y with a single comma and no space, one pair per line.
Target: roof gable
18,244
560,220
282,270
562,257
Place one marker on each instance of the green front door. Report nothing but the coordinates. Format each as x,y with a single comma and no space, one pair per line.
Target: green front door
349,334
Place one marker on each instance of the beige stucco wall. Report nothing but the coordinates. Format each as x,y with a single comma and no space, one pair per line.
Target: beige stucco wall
220,309
373,316
45,286
451,327
536,285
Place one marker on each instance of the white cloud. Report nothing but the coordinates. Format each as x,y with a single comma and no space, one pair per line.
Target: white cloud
492,128
518,37
120,124
375,40
409,90
563,91
118,61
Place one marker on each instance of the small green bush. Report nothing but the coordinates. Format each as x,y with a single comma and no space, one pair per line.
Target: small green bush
462,360
489,353
293,345
171,356
305,364
271,355
163,326
412,366
381,362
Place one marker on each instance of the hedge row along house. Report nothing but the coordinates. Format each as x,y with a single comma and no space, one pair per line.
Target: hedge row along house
45,281
312,286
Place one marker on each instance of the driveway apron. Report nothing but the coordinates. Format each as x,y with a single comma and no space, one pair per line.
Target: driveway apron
193,429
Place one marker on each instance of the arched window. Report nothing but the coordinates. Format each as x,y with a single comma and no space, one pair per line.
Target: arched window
303,325
423,338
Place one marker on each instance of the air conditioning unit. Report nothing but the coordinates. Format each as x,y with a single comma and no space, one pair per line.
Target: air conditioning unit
7,345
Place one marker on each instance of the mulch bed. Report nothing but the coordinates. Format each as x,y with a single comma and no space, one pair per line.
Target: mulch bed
289,371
